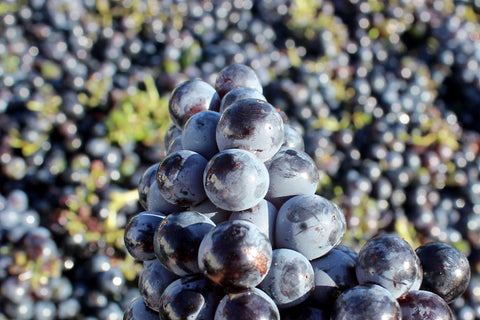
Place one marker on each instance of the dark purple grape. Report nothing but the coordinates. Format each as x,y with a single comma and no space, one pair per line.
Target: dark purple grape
389,261
424,305
290,280
253,125
139,232
145,183
236,255
111,282
309,224
44,310
191,297
39,245
263,215
238,94
172,132
368,301
179,178
199,133
292,172
15,290
156,202
446,270
251,304
235,180
137,310
153,279
293,138
189,98
334,273
211,211
177,240
234,76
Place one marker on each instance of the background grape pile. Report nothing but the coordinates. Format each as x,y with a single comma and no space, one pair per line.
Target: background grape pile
386,96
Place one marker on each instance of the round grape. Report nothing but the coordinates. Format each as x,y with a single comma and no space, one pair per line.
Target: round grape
235,180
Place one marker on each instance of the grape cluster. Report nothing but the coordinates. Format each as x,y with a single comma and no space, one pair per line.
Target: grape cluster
234,227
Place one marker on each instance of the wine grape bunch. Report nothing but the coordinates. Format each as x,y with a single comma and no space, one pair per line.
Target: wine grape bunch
234,226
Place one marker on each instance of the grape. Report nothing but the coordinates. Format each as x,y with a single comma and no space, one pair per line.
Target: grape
199,133
177,239
189,98
424,305
290,280
138,235
446,270
234,76
172,132
253,125
389,261
238,94
310,224
156,202
145,183
179,178
190,297
263,215
251,304
334,273
153,279
235,180
111,282
293,139
137,310
368,301
292,172
211,211
236,255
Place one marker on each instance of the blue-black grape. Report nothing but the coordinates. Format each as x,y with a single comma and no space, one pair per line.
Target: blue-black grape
293,138
235,180
389,261
156,202
253,125
290,280
139,232
263,215
368,301
238,94
446,270
177,239
292,172
334,273
137,310
236,255
234,76
211,211
153,279
250,304
199,133
190,297
145,183
310,224
189,98
179,178
424,305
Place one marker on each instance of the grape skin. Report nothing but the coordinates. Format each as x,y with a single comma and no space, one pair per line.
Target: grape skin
310,224
235,180
253,125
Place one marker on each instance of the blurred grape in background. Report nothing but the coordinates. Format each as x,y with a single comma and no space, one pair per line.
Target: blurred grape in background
385,95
